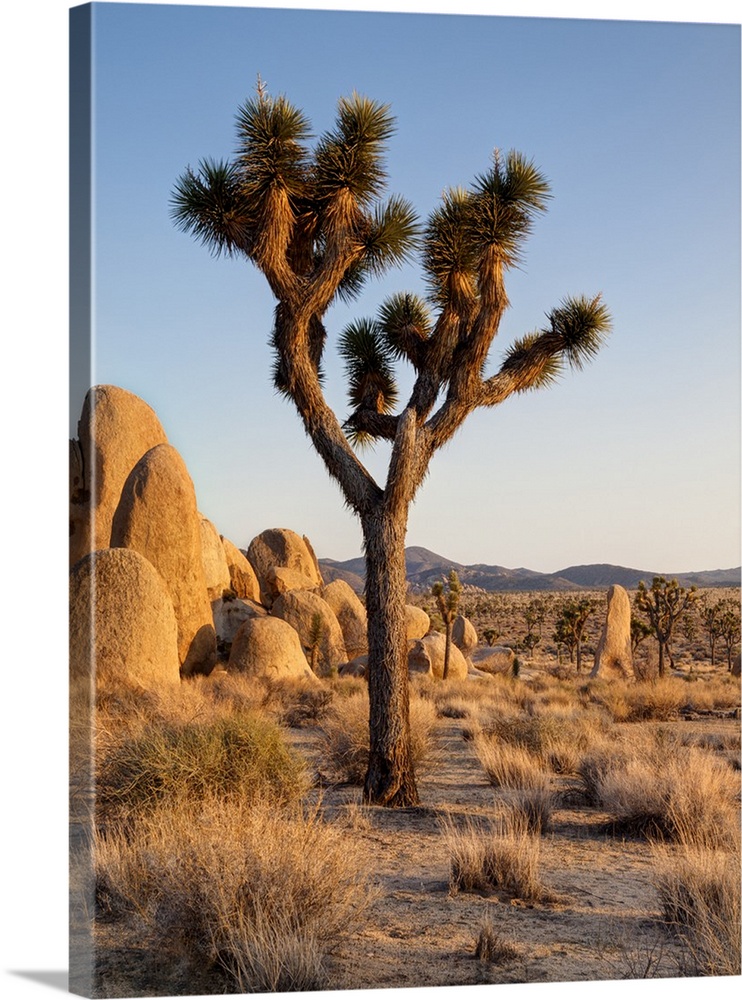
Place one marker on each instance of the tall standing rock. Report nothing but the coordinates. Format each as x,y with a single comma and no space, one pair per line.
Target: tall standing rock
157,516
613,657
122,622
280,547
115,429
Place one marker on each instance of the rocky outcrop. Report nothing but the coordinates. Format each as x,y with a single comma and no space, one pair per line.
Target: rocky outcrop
115,429
464,635
493,659
418,622
122,624
281,579
303,610
157,516
351,615
230,615
280,547
214,559
242,578
431,650
269,647
613,657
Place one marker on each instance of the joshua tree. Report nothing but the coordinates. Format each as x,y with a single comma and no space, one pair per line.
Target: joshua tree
729,628
447,603
312,220
663,604
570,627
317,631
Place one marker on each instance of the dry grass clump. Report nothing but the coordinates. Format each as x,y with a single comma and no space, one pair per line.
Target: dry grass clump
716,692
231,756
492,947
639,701
557,739
689,796
252,893
508,765
535,806
501,854
699,890
344,737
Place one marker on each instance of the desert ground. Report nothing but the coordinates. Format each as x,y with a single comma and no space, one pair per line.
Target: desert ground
569,829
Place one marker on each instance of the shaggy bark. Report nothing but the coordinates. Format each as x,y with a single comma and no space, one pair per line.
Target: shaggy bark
390,779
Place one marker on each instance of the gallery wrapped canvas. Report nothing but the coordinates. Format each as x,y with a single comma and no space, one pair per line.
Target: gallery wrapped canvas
350,289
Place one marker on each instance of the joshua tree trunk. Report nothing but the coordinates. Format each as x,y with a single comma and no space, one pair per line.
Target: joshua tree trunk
391,778
447,653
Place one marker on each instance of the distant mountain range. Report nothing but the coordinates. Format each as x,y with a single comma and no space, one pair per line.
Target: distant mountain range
425,567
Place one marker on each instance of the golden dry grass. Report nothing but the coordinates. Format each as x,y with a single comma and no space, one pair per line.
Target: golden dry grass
699,890
250,891
498,854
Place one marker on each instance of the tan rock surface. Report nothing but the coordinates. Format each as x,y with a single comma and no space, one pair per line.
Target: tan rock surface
115,429
281,579
216,568
493,659
613,657
298,608
157,516
242,578
269,647
418,622
432,648
350,613
229,616
284,548
464,635
122,621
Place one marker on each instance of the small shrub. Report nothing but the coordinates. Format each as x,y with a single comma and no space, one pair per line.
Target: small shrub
501,855
454,708
699,890
248,889
232,756
690,797
535,806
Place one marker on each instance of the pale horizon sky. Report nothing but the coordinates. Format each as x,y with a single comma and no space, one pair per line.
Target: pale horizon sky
633,461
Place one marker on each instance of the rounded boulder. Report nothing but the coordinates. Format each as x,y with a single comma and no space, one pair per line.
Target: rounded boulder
122,621
268,647
157,516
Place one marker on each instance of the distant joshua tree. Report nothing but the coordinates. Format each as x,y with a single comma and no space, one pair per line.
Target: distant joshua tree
662,605
312,220
570,627
447,602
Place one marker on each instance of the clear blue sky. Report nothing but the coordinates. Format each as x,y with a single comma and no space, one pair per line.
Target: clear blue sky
633,461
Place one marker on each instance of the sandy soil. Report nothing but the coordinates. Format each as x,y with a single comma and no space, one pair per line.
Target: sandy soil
604,924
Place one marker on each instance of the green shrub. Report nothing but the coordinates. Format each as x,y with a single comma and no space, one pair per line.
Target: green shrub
231,756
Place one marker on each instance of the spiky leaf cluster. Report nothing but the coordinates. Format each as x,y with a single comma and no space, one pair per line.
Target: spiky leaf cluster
475,229
281,203
369,367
